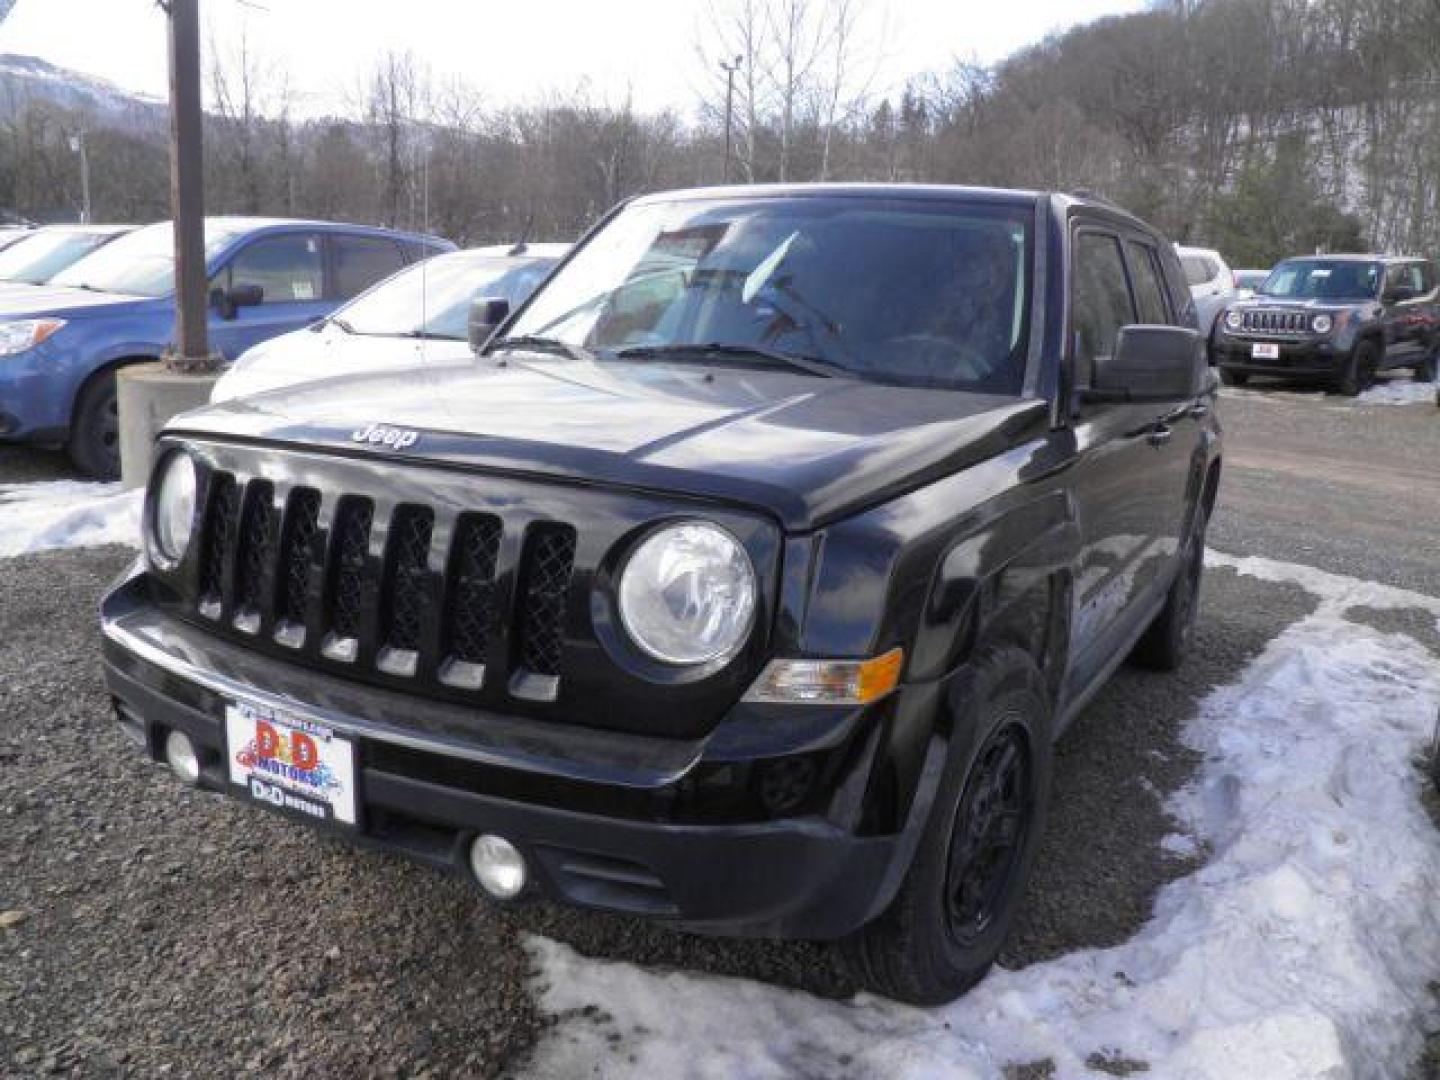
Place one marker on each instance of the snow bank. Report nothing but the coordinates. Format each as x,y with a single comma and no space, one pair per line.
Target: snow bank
1302,948
1398,391
66,513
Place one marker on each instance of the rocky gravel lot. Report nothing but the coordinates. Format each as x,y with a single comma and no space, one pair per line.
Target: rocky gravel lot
154,930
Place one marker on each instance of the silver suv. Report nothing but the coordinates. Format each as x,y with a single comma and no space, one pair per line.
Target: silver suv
1211,281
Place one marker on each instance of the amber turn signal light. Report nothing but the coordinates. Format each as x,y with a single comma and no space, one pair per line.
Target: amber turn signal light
829,682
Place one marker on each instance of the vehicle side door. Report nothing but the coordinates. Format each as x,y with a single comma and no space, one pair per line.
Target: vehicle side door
357,262
288,268
1427,310
1119,479
1405,302
1178,431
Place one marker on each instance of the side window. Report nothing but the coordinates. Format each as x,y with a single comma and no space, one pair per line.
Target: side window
1415,278
1427,276
1100,304
288,268
1145,276
1198,269
361,261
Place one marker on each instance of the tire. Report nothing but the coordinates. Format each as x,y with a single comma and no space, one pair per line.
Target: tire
1359,369
1231,377
94,443
947,923
1425,370
1166,640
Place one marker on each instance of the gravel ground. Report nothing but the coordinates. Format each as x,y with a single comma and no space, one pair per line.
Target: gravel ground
1354,489
166,930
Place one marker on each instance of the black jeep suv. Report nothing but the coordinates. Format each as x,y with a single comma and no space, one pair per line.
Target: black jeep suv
1333,318
744,579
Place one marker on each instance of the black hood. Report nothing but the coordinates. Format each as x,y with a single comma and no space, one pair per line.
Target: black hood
806,449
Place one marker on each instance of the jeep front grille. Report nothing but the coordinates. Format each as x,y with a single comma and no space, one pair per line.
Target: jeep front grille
412,594
1261,321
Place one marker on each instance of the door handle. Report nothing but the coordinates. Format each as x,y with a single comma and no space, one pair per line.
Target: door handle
1159,436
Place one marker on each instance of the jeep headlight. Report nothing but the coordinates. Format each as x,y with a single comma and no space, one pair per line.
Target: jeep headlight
1234,320
687,594
23,334
1321,324
172,514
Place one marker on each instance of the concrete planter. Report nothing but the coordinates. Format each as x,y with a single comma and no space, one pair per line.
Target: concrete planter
148,395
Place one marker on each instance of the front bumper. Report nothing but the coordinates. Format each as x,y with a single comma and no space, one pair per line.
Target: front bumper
425,793
1309,358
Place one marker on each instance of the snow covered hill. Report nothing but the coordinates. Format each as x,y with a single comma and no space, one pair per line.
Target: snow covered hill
27,79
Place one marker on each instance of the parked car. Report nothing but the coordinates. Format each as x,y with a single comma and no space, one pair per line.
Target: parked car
1211,281
43,253
14,234
62,343
745,581
418,316
1334,319
1248,282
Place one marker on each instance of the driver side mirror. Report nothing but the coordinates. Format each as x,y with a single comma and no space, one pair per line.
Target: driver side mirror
228,302
1151,363
486,315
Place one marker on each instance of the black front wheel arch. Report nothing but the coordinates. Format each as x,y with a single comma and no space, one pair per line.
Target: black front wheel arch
953,912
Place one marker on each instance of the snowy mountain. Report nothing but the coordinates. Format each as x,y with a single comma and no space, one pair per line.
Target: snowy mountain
28,79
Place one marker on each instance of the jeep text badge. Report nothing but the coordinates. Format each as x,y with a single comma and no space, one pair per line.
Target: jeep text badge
380,435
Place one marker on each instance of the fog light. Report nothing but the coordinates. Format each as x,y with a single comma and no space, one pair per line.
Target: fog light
498,866
182,756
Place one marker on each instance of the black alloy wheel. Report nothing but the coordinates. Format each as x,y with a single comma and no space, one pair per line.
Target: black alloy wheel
991,826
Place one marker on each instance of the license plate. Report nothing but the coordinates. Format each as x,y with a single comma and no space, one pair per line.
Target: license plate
1265,350
287,762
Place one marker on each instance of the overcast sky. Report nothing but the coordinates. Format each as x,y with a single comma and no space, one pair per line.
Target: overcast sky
514,52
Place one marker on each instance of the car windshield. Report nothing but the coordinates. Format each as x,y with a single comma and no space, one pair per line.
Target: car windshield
1324,279
432,299
141,263
36,259
905,291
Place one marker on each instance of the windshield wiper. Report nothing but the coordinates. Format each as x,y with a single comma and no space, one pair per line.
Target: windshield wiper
538,343
720,350
428,335
335,320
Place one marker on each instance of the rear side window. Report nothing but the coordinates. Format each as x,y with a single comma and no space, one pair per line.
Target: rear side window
1145,277
361,261
288,268
1101,303
1198,269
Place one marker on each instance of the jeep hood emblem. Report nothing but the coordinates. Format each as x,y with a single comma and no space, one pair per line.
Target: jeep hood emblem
381,435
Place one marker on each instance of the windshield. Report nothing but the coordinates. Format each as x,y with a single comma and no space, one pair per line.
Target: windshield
1323,279
432,299
37,258
900,291
141,263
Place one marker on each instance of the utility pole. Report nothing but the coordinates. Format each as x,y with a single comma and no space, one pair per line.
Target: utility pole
148,395
77,144
729,70
187,192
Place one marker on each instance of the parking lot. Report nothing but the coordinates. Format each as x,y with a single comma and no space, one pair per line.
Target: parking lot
154,929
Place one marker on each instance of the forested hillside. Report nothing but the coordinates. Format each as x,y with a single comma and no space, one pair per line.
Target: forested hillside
1258,126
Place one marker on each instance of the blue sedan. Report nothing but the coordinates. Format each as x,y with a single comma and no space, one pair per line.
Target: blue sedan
61,343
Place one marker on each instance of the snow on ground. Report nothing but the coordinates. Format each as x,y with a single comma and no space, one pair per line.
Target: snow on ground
66,513
1398,391
1301,949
